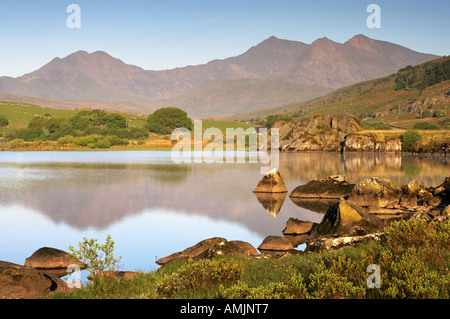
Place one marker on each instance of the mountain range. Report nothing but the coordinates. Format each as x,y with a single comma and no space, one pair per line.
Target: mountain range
273,73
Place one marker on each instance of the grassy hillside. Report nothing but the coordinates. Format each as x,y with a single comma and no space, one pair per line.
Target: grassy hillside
414,94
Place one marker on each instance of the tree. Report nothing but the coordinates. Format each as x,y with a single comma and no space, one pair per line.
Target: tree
115,120
3,121
411,140
165,120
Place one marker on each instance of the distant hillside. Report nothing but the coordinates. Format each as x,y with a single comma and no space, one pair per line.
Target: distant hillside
272,73
412,95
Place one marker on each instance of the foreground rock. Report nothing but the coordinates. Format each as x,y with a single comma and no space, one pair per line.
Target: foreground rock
272,182
210,248
296,226
321,244
275,245
51,260
332,187
22,282
346,219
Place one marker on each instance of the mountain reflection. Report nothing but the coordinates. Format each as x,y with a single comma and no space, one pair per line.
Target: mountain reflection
85,195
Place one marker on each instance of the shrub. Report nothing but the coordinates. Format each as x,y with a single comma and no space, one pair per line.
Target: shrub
3,121
97,258
205,274
114,140
17,143
103,143
411,140
68,139
83,140
426,126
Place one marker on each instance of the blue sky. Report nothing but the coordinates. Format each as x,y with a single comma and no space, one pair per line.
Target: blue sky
158,35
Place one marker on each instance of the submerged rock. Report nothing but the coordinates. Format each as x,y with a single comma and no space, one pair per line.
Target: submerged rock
272,182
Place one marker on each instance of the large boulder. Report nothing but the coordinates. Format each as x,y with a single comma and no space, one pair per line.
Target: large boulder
347,219
335,186
295,226
22,282
275,244
375,191
272,182
210,248
52,260
193,251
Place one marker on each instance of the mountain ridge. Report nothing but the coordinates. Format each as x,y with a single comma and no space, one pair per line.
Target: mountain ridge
322,64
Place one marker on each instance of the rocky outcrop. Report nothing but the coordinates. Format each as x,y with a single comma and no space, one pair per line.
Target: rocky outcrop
370,142
346,219
375,191
335,187
22,282
209,248
321,132
230,248
272,182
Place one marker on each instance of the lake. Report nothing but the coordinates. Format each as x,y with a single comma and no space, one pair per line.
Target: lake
152,207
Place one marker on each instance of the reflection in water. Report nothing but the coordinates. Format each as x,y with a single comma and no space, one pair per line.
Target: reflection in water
313,204
272,202
94,192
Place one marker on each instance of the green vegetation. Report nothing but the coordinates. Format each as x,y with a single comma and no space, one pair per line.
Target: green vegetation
411,140
165,120
97,258
426,126
3,121
272,119
422,76
413,257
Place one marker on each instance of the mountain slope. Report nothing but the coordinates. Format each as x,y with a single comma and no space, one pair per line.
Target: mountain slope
413,94
291,65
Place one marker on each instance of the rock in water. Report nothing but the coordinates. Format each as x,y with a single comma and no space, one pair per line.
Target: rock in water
375,191
272,182
335,186
275,243
347,219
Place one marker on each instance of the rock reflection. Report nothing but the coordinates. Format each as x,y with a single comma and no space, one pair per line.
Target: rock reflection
271,202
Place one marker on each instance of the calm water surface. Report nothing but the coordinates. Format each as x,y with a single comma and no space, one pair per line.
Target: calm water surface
152,207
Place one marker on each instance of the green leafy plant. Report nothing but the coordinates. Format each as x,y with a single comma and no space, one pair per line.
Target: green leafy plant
96,257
